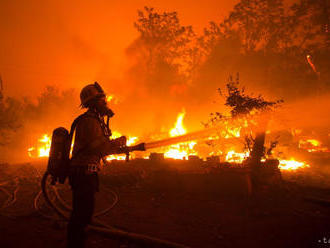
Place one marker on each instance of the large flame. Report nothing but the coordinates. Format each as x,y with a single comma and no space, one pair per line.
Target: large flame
181,150
185,149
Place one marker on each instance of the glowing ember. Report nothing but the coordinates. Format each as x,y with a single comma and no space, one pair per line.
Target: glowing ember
112,98
115,157
42,149
292,165
309,60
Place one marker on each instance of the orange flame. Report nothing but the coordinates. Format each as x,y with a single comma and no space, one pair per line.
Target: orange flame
112,98
181,150
312,145
292,164
130,141
236,157
109,98
42,149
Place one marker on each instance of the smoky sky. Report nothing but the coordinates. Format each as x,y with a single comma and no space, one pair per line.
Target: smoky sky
69,44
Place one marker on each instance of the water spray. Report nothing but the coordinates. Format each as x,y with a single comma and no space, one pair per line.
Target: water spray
182,138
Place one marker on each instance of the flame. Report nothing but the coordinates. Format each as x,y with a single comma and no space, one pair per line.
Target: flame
181,150
130,141
232,132
115,157
179,128
43,147
312,145
236,157
292,165
112,98
109,98
314,142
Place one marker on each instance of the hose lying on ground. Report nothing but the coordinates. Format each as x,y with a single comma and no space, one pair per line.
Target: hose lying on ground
67,207
11,197
107,230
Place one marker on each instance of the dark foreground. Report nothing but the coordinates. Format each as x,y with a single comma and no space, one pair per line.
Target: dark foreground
191,208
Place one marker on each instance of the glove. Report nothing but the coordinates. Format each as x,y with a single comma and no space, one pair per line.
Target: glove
121,141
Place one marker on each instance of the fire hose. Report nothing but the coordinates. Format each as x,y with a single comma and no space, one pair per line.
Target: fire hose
109,230
11,197
98,226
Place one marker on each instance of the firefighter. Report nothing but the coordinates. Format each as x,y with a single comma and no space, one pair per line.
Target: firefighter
91,144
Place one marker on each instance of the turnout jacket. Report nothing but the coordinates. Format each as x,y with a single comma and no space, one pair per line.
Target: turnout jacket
91,141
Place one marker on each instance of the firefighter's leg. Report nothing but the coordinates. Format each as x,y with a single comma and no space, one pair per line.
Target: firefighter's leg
83,200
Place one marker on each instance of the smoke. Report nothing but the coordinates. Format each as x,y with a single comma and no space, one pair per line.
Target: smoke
172,69
34,118
306,113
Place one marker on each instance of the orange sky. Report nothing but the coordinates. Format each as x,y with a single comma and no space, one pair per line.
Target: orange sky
71,43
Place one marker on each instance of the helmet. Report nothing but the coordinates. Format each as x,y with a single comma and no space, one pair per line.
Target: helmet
90,92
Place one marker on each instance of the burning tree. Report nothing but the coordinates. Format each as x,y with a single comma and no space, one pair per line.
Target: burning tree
249,113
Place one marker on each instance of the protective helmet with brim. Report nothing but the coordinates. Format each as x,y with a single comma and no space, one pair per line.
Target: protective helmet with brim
89,93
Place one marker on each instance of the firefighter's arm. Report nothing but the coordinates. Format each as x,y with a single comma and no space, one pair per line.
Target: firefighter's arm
99,144
116,146
104,146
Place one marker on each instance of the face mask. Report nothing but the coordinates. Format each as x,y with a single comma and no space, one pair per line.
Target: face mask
104,110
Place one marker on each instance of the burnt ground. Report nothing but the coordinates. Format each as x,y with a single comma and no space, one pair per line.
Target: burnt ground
194,208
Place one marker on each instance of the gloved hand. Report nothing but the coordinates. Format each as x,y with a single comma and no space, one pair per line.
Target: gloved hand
121,141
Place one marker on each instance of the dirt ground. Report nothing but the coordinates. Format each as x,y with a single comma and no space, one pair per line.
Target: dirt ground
191,208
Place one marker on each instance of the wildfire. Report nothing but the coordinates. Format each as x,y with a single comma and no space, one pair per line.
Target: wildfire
292,165
236,157
232,132
182,150
42,149
312,145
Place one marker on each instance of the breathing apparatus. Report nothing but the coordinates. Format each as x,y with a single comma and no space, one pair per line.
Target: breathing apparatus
89,96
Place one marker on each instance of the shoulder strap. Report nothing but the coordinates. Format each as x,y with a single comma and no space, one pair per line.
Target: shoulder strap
73,128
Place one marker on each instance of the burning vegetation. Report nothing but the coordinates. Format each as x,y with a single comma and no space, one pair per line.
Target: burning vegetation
200,141
232,138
